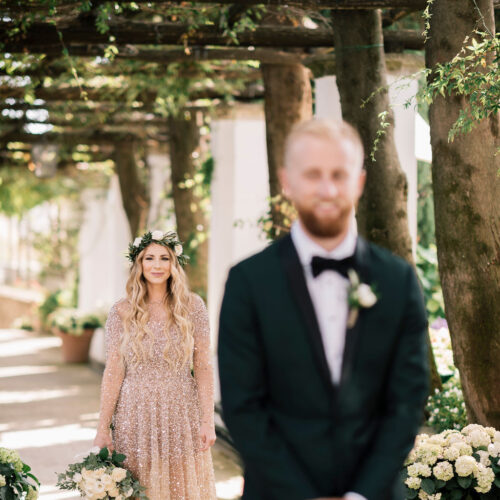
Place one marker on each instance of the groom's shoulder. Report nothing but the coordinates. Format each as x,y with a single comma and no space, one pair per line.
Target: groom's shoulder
259,261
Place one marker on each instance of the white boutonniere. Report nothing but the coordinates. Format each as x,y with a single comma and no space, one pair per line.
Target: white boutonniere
359,295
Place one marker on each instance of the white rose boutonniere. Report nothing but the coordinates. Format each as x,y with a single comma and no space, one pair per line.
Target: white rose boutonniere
360,295
157,235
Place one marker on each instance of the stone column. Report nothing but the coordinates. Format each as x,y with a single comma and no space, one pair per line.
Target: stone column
240,191
327,98
104,238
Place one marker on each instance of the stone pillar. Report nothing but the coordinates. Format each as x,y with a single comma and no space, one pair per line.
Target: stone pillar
402,90
104,238
240,191
327,98
159,181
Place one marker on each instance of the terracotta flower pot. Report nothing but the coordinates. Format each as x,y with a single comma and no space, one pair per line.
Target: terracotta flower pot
75,349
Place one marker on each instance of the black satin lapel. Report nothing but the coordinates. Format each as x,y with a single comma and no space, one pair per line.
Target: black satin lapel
362,258
295,274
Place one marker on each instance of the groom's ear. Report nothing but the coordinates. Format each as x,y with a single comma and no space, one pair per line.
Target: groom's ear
361,182
283,178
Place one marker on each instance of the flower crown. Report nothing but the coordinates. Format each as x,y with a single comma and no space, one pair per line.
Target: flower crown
168,239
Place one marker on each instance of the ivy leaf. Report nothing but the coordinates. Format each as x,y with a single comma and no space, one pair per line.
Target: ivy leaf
103,454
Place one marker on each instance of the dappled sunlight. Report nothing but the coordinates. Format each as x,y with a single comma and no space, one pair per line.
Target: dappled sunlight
17,371
11,334
89,417
39,423
52,493
36,438
10,397
49,413
23,346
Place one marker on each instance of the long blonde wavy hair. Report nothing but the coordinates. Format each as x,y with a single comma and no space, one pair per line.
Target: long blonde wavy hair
178,298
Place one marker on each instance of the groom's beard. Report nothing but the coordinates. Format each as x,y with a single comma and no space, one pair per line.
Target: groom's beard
327,226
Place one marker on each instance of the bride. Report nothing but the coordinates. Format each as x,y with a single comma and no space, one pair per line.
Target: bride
159,410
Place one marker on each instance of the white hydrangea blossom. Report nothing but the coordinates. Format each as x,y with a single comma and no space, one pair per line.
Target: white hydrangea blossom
494,449
485,477
477,438
443,471
465,465
419,469
429,453
413,482
451,453
422,495
484,457
463,448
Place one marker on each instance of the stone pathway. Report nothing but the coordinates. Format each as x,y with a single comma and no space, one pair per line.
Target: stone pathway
49,412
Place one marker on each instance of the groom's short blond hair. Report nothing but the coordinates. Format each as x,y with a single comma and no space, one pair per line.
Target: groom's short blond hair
330,130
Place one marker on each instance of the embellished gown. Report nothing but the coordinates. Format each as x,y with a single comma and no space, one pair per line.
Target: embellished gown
159,408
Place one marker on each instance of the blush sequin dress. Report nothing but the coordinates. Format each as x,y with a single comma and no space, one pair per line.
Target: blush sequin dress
159,407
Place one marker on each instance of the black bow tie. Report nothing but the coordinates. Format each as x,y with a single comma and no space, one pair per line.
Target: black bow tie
320,264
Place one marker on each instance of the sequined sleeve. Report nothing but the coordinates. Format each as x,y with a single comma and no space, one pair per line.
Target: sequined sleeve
114,371
202,360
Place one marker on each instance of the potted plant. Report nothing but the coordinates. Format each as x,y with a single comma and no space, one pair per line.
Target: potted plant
75,330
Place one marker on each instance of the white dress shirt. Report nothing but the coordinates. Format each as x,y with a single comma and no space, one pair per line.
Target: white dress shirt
328,293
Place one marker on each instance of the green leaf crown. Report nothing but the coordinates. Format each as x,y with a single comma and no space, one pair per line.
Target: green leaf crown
168,239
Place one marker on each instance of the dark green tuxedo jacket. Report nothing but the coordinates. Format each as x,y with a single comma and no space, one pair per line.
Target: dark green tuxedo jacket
301,436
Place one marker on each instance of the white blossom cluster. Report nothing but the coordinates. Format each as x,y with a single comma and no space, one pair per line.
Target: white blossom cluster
99,477
466,457
102,483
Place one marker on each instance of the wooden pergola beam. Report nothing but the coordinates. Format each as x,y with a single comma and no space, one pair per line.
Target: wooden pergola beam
43,38
69,137
88,120
93,94
22,6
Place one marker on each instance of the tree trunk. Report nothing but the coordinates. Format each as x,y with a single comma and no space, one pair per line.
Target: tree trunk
467,208
192,222
361,71
288,100
134,196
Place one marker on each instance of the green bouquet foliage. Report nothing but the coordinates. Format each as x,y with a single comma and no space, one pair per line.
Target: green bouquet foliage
16,480
101,476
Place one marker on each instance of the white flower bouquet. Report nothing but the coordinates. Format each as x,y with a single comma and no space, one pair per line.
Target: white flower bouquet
16,481
100,475
455,465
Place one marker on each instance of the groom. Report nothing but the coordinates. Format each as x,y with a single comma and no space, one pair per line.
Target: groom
323,377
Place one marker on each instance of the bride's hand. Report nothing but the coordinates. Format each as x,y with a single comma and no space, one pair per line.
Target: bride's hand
103,440
207,436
